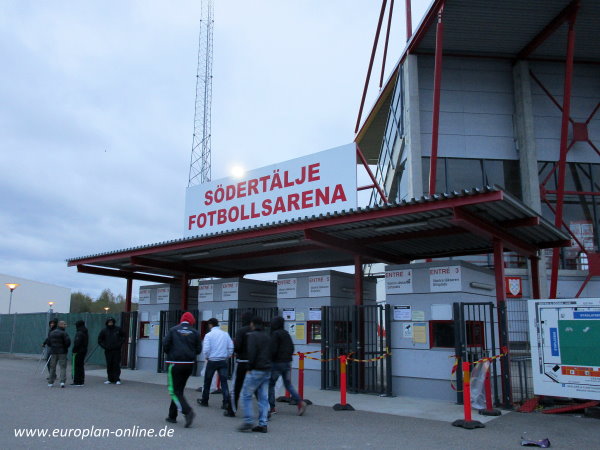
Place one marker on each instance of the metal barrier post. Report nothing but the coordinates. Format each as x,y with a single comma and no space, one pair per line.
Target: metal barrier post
343,406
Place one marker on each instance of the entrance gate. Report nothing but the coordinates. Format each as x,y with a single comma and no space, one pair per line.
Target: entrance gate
169,319
363,332
129,325
476,337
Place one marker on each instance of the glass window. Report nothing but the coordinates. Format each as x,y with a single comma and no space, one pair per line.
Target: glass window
440,185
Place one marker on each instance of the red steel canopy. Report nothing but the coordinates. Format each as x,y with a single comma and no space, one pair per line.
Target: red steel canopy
444,225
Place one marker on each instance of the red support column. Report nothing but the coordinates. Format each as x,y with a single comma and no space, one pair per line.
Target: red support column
502,321
437,81
535,277
408,20
128,295
562,162
184,292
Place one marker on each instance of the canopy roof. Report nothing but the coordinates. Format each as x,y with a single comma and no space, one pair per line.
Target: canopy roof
444,225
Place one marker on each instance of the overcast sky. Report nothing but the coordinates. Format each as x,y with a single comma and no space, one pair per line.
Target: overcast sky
97,106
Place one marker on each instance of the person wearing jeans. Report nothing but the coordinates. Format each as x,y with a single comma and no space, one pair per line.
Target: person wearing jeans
217,349
282,349
257,378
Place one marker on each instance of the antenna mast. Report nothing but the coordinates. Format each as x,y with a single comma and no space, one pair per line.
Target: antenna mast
200,159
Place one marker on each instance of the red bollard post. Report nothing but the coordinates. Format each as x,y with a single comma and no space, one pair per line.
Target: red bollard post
301,375
343,406
468,421
467,391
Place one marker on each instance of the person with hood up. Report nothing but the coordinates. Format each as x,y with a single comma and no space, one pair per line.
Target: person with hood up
111,339
282,349
51,327
59,342
257,377
182,345
80,348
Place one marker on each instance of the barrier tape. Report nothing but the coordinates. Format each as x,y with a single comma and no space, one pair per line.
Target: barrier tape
387,353
307,353
504,351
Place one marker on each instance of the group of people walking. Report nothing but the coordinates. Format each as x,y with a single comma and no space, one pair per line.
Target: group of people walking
111,339
261,360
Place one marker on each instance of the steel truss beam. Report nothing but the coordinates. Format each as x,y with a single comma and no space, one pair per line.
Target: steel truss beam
125,274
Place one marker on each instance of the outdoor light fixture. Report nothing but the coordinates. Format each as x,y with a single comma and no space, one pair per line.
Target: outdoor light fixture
106,308
276,243
484,286
401,226
12,287
50,305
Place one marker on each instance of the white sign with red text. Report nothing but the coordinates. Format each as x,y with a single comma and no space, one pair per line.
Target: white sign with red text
229,291
399,282
144,297
286,288
319,286
205,292
445,279
162,295
320,183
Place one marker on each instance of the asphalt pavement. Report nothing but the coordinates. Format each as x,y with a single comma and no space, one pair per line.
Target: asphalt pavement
135,407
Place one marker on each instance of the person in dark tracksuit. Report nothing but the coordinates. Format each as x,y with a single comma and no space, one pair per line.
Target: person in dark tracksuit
111,339
59,342
239,346
181,344
257,378
80,347
282,349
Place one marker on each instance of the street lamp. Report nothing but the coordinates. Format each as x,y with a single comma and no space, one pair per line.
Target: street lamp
106,308
51,304
12,287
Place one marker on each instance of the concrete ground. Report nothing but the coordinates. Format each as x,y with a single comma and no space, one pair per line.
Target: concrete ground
141,402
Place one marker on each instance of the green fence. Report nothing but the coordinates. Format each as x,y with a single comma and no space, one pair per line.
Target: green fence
25,333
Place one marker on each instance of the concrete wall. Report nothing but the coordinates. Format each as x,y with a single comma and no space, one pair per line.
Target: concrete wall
341,293
33,296
417,369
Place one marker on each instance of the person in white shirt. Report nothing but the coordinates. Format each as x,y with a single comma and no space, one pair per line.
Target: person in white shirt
217,349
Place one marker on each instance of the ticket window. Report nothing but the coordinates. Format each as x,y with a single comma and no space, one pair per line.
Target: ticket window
314,332
144,330
441,333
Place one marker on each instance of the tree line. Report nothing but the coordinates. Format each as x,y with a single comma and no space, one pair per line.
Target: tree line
81,302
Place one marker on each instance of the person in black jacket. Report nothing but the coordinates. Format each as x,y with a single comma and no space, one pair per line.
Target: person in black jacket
282,349
111,339
257,377
242,359
59,342
182,345
80,348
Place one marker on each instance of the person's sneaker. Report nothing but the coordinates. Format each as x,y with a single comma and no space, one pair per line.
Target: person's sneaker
201,403
107,382
301,408
260,429
62,385
168,419
229,413
50,384
118,382
272,411
245,427
189,418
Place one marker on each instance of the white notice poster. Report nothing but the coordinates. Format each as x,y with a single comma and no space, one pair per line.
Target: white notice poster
286,288
314,314
445,279
319,286
402,312
229,291
399,282
289,314
205,292
162,295
144,297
